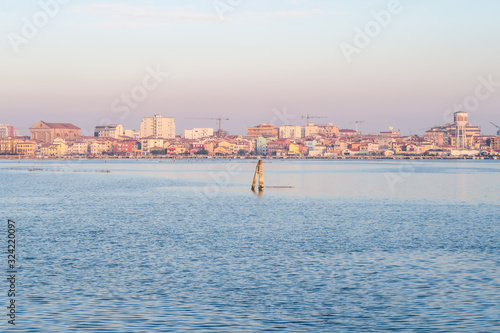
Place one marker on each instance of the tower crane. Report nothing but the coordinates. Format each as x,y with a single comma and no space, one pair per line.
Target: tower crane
309,117
219,121
498,132
415,131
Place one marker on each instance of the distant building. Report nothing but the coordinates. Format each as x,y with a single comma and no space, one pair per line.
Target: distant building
347,133
158,127
48,132
273,147
461,133
310,130
461,119
261,146
198,133
329,130
6,130
125,148
290,132
470,130
26,148
263,130
108,131
437,135
391,134
9,145
495,143
134,134
78,148
151,143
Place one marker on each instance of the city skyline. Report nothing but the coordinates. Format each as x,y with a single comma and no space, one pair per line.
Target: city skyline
261,57
278,116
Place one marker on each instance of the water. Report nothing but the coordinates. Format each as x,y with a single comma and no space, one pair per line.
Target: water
355,246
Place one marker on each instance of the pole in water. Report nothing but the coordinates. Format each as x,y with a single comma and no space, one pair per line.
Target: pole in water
259,172
261,175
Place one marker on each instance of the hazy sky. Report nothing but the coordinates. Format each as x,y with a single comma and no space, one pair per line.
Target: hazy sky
264,55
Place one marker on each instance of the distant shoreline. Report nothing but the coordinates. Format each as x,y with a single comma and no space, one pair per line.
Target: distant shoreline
189,158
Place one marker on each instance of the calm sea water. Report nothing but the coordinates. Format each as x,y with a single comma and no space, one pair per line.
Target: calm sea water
355,246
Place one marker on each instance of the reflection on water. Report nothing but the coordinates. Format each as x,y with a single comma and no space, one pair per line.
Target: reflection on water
353,246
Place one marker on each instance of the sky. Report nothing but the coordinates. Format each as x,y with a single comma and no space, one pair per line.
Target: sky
407,64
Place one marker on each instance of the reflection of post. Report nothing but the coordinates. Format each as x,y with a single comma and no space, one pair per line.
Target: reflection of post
261,175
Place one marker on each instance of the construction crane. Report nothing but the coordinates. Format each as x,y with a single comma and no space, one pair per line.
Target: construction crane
219,120
415,131
498,132
309,117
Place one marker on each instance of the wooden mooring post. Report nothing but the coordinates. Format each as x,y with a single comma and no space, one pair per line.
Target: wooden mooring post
259,172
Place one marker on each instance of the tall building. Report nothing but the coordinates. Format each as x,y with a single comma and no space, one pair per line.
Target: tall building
108,131
461,119
198,133
48,132
158,127
290,132
263,130
6,130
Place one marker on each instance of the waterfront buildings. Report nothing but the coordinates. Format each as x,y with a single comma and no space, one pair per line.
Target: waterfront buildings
9,145
158,127
109,131
313,140
48,132
78,148
26,147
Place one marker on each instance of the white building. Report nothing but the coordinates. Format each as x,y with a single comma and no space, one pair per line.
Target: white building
198,133
290,132
108,131
158,127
